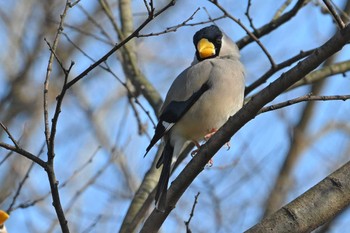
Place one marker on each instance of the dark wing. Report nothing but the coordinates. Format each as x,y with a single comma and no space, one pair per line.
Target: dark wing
172,113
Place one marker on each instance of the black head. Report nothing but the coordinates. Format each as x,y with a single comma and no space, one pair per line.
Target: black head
211,44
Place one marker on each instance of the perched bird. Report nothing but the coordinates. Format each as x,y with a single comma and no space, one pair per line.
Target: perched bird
3,217
200,100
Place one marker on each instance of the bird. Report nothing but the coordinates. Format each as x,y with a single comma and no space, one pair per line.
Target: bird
3,217
199,101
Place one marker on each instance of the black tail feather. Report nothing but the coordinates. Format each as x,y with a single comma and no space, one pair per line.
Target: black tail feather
162,187
159,132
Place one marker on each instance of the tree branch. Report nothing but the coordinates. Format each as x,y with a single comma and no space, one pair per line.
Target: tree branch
304,98
146,89
312,209
334,13
187,223
269,27
252,35
317,75
276,68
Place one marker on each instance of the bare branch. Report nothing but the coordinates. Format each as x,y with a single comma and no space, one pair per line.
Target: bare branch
50,136
281,9
17,148
334,13
304,98
118,46
49,69
20,186
9,135
269,27
276,68
310,210
25,153
172,28
250,19
268,55
95,23
56,57
324,72
187,223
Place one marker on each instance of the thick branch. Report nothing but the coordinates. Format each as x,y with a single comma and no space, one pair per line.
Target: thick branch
312,209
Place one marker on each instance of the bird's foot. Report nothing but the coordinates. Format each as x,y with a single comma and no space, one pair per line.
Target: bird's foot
228,144
211,133
210,163
195,151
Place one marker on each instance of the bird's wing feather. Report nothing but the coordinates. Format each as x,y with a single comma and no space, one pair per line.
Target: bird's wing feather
172,113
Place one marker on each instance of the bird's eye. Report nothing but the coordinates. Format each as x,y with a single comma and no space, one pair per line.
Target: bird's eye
218,40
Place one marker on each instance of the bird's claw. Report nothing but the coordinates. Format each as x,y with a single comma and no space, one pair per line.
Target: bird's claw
194,152
228,145
210,163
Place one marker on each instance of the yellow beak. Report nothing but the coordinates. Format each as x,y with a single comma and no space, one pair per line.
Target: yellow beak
205,48
3,217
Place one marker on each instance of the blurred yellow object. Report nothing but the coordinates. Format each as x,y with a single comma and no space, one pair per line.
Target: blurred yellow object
3,217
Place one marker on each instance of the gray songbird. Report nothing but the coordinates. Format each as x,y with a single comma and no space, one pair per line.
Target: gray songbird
200,100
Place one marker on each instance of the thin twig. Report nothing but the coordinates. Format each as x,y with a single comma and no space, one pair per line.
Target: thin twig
172,28
49,70
87,184
25,153
308,97
334,13
62,185
140,126
130,93
281,9
187,223
109,70
250,19
118,46
6,157
9,135
278,67
73,4
55,56
147,6
50,134
18,149
20,186
51,150
269,27
93,224
255,38
88,33
95,23
80,169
